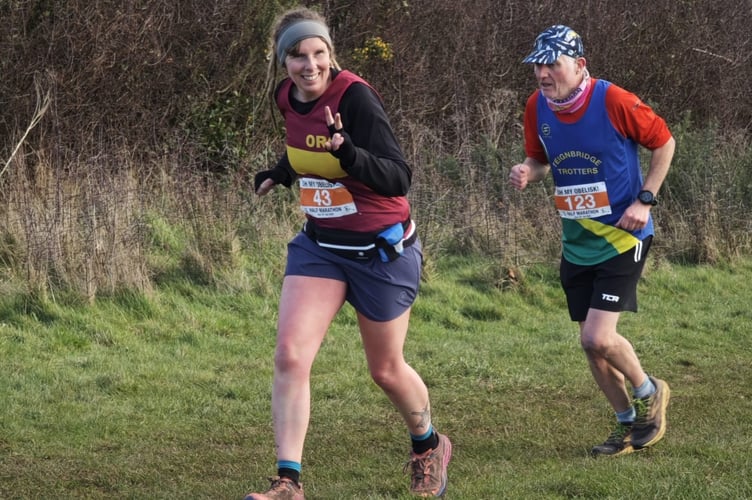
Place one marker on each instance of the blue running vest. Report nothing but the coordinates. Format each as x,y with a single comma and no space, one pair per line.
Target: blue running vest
597,175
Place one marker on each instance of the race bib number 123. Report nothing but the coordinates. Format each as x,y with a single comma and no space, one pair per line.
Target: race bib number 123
583,201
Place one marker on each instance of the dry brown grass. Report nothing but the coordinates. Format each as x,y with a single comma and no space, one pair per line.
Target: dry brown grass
155,124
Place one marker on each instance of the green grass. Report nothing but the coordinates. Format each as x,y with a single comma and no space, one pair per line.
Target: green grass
168,395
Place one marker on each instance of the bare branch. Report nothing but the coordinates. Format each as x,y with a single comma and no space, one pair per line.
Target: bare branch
42,104
703,51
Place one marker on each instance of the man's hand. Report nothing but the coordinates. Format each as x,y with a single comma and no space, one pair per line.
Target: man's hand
635,217
519,176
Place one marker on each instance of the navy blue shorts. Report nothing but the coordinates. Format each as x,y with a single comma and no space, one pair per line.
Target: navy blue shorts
608,286
381,291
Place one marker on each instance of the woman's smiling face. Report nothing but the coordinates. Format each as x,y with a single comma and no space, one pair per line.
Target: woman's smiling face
310,68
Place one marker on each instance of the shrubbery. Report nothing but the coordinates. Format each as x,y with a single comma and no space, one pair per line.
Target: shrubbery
158,108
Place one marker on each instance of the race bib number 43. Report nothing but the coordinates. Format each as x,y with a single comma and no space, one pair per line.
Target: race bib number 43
584,201
323,199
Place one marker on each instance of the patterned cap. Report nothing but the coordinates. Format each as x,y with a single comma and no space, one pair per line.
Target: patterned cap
556,41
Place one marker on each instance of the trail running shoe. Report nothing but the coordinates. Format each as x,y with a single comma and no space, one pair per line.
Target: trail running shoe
650,424
618,443
282,488
429,469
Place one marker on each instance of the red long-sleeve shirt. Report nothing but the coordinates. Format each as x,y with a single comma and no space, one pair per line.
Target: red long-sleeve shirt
629,115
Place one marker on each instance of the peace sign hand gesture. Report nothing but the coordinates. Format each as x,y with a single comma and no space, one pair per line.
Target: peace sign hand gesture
339,144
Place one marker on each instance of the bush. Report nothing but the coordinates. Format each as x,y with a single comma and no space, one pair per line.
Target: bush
158,108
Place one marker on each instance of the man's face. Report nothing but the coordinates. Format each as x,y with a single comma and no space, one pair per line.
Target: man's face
558,80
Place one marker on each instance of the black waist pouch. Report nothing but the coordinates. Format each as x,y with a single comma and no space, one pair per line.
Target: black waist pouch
363,246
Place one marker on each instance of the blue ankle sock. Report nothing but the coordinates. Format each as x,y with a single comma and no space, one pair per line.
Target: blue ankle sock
288,468
422,437
627,416
645,390
424,442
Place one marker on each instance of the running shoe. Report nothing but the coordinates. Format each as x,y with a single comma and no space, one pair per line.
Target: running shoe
619,442
650,424
282,488
429,469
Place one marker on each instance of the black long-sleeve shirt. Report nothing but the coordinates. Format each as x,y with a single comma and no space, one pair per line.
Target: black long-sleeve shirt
378,161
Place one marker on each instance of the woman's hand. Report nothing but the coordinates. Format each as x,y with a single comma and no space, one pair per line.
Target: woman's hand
264,182
339,144
334,122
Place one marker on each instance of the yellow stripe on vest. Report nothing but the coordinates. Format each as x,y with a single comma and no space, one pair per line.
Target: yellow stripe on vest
618,238
320,163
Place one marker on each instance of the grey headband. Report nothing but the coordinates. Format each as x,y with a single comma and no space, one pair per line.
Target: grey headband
300,31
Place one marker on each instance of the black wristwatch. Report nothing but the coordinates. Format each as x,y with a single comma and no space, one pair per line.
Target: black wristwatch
647,198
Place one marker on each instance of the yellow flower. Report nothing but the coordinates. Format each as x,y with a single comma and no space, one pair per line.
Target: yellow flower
374,49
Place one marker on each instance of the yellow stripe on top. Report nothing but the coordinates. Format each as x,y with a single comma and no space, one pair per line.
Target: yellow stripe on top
620,239
320,163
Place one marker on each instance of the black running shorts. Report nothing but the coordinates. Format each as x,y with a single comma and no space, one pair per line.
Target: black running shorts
608,286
